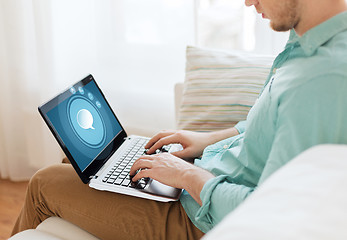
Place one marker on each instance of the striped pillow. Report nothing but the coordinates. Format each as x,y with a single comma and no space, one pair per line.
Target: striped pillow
220,87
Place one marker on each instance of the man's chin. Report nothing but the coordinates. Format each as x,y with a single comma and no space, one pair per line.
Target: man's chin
280,27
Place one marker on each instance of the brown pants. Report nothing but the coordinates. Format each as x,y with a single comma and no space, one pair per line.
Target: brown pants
57,191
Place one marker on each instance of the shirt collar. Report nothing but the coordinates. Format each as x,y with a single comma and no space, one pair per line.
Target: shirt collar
317,36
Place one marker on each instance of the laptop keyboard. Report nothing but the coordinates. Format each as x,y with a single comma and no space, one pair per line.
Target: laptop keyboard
119,173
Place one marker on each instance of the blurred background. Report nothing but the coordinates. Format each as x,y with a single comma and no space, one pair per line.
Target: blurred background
134,49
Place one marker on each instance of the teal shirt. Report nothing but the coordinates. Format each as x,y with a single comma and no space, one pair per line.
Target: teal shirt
303,103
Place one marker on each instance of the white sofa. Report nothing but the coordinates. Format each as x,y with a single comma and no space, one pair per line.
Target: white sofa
305,199
54,228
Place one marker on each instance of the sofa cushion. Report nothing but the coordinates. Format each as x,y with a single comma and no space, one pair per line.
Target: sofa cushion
220,87
54,228
305,199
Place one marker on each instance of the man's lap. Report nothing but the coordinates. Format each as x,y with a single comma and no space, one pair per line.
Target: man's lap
105,214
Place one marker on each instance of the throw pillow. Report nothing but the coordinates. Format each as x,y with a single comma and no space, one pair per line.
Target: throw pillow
220,87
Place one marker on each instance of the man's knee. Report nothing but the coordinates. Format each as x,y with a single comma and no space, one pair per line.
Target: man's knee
44,176
44,173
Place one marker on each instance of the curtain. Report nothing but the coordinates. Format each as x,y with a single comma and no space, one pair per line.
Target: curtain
134,49
25,45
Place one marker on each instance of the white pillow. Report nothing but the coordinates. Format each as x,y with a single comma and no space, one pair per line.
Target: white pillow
305,199
220,87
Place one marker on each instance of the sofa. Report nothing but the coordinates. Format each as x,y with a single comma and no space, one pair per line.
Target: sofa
305,199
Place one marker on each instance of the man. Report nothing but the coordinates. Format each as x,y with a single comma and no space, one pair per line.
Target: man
302,104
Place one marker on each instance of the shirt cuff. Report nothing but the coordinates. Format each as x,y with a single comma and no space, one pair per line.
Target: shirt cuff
205,196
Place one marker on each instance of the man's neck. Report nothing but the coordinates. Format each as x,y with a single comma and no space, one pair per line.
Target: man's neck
315,12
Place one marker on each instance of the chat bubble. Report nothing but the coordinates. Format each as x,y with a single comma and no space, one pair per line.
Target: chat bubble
85,119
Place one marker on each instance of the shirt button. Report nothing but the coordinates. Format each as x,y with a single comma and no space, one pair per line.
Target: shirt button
225,146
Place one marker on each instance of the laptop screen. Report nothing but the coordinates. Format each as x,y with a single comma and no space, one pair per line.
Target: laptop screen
83,123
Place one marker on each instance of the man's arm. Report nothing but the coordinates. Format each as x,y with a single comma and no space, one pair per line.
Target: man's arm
173,171
217,196
202,185
193,143
311,114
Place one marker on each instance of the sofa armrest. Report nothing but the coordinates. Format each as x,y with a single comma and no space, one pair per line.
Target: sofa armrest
305,199
54,228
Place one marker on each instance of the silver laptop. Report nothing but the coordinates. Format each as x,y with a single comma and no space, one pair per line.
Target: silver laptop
97,145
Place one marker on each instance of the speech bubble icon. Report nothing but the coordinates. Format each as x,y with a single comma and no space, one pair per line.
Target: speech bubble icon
85,119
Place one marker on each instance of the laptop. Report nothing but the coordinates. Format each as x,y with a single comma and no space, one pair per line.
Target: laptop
97,145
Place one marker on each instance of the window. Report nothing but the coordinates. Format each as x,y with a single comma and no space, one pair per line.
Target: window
231,25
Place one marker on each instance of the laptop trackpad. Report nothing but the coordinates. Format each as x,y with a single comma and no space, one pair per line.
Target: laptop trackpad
158,188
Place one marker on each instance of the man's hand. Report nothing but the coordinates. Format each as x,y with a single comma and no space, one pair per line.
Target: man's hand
193,143
172,171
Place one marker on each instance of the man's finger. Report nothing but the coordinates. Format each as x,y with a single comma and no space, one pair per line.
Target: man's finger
143,173
140,163
163,141
157,137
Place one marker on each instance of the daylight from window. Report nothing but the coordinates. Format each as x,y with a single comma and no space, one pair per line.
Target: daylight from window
225,24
